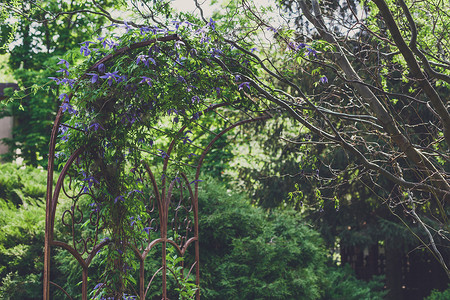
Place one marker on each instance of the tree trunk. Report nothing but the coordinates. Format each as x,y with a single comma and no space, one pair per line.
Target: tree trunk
393,270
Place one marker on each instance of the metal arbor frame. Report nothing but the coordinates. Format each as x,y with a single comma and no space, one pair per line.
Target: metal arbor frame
183,224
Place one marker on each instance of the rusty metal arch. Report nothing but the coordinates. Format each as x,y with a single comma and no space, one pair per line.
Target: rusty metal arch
85,249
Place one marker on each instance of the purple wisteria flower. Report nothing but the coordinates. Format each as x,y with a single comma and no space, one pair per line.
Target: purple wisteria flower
195,181
90,181
63,97
323,79
68,81
66,72
311,51
205,39
153,50
120,197
111,76
101,68
144,30
172,110
133,220
212,24
103,40
66,106
195,99
215,52
189,24
163,153
135,191
181,79
127,27
94,77
191,155
84,49
147,80
65,134
177,24
63,128
95,206
63,61
193,52
55,79
98,286
185,138
178,44
142,58
96,126
244,84
122,78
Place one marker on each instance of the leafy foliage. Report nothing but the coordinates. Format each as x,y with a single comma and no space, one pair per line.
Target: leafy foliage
439,295
244,250
247,253
22,223
35,105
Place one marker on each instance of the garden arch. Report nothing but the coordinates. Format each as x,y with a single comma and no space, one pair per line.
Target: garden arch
111,186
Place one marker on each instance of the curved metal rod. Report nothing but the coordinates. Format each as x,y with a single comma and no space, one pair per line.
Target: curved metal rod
173,243
172,143
160,240
136,252
59,287
118,52
150,246
72,251
155,185
188,242
153,277
167,201
191,194
166,160
51,154
95,251
202,156
192,267
59,184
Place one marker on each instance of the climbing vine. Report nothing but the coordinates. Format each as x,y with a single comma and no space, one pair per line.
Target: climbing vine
139,100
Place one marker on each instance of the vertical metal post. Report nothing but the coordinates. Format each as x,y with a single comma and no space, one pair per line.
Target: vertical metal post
46,288
164,270
197,243
84,284
141,279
